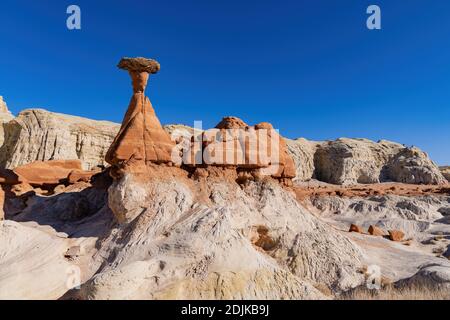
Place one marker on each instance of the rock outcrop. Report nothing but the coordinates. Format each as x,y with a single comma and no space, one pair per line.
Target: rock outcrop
352,161
302,152
375,231
411,165
396,235
48,173
355,228
5,116
252,151
141,138
213,239
32,264
40,135
233,143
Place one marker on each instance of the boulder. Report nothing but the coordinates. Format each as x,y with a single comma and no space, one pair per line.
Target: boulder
40,135
48,173
396,235
375,231
411,165
356,228
141,137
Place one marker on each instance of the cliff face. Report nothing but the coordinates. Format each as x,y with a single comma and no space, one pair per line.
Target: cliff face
39,135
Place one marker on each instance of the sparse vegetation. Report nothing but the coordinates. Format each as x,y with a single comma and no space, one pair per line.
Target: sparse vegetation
411,292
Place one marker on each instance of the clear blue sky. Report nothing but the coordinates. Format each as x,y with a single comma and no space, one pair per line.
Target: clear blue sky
312,68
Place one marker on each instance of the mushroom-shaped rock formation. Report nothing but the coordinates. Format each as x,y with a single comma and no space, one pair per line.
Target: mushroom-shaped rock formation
141,139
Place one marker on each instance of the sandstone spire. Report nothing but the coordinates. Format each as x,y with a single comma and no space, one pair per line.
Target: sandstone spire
141,138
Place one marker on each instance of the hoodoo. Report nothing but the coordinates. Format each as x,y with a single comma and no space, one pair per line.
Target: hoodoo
141,138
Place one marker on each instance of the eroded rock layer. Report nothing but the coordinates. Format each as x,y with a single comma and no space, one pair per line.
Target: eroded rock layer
40,135
236,144
212,239
412,165
361,161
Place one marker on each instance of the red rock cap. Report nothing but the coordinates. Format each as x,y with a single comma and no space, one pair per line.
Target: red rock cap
139,64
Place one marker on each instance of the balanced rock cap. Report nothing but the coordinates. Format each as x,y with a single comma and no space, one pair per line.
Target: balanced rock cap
139,65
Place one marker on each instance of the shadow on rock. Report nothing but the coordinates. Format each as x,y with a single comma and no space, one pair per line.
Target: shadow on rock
80,211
